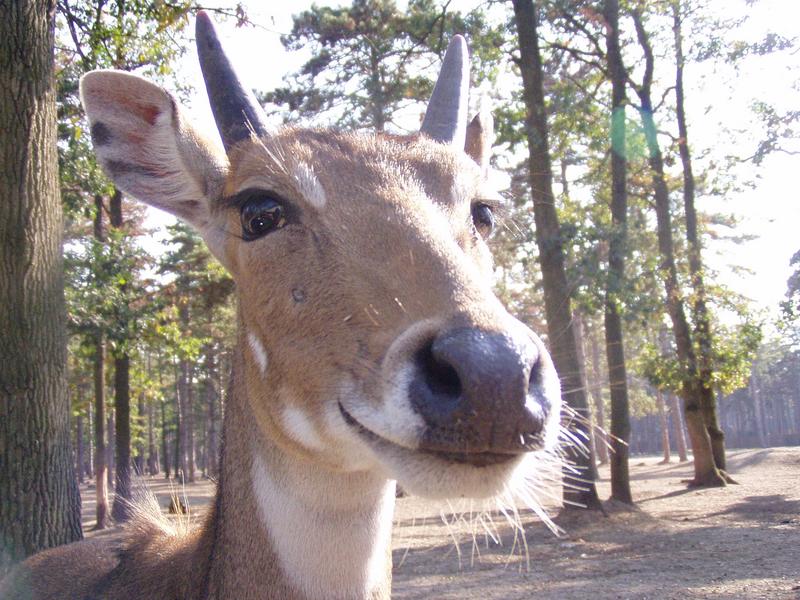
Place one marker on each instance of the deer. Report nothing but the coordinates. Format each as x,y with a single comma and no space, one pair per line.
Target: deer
371,348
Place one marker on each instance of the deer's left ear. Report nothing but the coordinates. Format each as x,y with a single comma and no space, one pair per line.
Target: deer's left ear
148,148
479,140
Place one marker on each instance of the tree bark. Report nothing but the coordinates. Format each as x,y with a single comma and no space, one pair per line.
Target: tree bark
615,350
100,465
678,427
706,472
122,402
702,320
662,419
551,253
190,426
110,450
79,458
212,459
596,389
181,466
39,499
122,431
90,440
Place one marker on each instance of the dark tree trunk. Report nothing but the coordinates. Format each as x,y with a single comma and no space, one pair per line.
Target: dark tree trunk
702,321
551,253
615,281
39,499
122,403
706,472
122,426
110,445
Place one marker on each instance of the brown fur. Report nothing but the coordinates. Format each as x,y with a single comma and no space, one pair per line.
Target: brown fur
379,248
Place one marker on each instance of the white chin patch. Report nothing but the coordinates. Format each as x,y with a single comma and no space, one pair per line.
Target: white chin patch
394,419
259,352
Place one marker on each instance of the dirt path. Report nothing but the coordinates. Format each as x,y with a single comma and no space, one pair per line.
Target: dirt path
737,542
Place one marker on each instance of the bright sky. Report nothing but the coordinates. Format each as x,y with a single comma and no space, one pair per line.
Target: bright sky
718,101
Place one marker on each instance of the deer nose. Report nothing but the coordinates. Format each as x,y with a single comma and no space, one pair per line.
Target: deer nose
480,391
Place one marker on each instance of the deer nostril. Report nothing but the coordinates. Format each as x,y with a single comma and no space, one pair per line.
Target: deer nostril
440,377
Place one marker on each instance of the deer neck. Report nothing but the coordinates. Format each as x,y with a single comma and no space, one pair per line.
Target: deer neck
285,527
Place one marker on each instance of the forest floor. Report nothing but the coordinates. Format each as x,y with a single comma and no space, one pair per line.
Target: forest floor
742,541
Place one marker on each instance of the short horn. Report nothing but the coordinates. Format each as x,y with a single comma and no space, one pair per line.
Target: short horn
446,116
235,109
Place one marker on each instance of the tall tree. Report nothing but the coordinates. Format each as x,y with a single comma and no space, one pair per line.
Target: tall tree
617,250
702,320
551,253
706,471
39,501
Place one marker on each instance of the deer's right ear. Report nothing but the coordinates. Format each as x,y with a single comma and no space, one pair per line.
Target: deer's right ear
148,148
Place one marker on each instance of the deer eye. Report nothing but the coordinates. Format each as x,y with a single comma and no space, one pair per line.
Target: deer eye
260,215
483,219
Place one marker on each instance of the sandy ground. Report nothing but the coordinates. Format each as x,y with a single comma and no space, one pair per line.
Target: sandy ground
742,541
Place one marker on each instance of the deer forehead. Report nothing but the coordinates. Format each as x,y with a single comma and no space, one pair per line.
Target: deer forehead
329,170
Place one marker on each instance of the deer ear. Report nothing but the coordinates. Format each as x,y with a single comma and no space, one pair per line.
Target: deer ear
148,149
479,140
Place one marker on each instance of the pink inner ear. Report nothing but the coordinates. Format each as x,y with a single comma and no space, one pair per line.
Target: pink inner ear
146,112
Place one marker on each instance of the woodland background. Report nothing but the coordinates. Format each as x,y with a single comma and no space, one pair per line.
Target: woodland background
602,247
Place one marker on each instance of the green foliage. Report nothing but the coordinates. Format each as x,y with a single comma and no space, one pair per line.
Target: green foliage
369,60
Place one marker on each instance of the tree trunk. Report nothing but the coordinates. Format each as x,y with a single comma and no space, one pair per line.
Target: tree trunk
120,510
702,321
678,427
706,472
101,453
90,439
551,253
211,399
122,403
181,466
615,280
39,499
758,411
110,450
164,439
140,453
663,420
596,389
152,448
79,447
190,440
580,347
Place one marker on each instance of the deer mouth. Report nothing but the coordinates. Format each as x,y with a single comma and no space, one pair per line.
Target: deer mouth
459,456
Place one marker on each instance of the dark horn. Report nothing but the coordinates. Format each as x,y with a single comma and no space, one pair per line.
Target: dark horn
235,109
446,116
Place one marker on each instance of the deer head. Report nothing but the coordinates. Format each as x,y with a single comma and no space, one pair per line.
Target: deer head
371,337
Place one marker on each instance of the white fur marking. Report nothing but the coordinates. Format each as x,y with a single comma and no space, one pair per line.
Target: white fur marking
301,428
259,352
309,185
307,534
